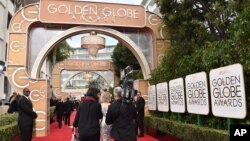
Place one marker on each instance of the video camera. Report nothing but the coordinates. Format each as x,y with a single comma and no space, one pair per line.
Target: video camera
128,91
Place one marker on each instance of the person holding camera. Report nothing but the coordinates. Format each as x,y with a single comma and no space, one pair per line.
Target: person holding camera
121,114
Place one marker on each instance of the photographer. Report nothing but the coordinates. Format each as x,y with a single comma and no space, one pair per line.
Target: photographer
121,114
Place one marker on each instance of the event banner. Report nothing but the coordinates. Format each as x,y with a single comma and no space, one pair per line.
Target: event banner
176,94
228,92
162,97
92,13
151,98
197,93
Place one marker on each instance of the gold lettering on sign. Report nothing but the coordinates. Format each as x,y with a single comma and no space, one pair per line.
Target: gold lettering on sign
36,95
153,19
87,65
29,14
20,74
16,46
43,120
18,27
76,12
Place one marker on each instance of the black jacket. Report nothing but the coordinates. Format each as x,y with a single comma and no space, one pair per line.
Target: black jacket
26,113
13,107
140,106
68,107
59,110
122,117
87,118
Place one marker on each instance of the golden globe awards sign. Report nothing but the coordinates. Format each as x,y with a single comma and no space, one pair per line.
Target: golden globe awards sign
228,92
162,97
197,93
151,98
92,13
176,94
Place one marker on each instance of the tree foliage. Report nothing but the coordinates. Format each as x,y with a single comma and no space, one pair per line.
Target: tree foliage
205,35
123,57
93,84
62,51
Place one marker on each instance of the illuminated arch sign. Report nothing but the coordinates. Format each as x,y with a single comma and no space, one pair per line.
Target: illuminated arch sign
95,13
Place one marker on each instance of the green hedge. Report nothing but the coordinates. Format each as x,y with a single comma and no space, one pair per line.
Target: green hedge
7,119
8,132
186,132
8,127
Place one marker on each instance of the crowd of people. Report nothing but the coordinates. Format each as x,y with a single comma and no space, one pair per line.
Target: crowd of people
98,116
63,111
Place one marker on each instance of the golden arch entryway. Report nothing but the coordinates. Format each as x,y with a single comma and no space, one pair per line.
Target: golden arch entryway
19,70
75,65
107,31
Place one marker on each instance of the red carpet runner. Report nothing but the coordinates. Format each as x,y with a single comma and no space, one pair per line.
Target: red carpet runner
65,133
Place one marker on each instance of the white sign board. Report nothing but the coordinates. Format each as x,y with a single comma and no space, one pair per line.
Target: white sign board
151,98
162,97
197,93
228,92
176,95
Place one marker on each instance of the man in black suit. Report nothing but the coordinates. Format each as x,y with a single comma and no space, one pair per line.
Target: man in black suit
59,110
140,104
122,116
26,116
68,107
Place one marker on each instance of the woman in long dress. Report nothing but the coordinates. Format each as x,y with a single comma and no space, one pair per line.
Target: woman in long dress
105,129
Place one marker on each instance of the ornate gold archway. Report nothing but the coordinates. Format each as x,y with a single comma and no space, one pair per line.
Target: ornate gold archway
18,67
79,72
75,65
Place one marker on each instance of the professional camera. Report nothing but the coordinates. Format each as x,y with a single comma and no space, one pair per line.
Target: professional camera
128,89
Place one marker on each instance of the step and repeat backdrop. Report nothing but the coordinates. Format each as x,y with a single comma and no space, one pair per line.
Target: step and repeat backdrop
223,91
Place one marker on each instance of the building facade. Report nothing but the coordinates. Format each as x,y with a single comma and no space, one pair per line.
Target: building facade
7,10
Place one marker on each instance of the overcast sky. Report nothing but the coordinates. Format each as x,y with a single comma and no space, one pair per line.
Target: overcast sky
137,2
75,41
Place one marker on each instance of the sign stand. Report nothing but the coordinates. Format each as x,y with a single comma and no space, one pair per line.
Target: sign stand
199,120
229,122
179,117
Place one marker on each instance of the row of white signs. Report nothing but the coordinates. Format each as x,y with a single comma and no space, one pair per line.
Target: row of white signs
227,93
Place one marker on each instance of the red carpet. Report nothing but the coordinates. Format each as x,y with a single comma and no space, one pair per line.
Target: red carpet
58,134
65,133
